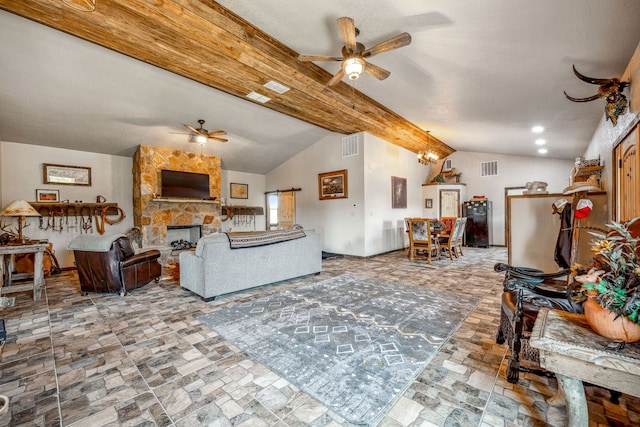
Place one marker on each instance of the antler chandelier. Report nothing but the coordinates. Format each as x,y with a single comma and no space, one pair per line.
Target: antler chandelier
427,156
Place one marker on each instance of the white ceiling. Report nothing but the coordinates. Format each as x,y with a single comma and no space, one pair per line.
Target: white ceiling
478,75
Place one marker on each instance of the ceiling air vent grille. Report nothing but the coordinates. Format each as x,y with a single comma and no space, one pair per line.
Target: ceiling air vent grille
276,87
489,168
351,145
258,97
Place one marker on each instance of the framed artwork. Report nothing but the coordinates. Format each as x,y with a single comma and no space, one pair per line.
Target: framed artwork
66,175
428,203
398,192
239,191
333,185
47,195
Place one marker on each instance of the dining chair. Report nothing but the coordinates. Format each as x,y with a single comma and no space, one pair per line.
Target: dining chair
449,222
421,241
460,236
448,242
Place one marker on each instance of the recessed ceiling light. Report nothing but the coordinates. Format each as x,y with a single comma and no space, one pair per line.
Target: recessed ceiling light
542,151
541,141
537,129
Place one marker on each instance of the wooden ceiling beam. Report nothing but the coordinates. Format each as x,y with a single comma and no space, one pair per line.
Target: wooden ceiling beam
207,43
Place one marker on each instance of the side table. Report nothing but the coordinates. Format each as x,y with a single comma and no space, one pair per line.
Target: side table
6,261
569,348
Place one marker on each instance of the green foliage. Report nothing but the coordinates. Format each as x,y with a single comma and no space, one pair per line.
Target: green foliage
617,254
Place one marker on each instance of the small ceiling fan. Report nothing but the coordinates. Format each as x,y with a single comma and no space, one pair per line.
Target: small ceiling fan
354,54
201,135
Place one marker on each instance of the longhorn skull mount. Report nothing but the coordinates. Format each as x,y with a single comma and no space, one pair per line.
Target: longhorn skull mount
611,90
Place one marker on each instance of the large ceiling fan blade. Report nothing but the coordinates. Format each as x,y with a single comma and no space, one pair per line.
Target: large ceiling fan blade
393,43
215,138
336,78
311,58
216,133
377,72
348,32
192,129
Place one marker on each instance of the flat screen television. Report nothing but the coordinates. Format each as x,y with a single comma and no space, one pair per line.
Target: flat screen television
184,185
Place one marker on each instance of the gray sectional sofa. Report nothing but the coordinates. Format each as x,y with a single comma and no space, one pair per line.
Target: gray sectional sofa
214,268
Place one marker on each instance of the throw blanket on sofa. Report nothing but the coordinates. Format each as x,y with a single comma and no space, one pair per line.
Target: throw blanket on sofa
261,238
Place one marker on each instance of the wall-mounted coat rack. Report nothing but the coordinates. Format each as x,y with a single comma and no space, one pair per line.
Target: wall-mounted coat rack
243,215
56,216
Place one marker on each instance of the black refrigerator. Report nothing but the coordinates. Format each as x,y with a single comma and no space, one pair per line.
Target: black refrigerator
478,231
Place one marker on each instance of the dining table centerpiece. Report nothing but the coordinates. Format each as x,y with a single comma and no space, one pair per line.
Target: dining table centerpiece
611,288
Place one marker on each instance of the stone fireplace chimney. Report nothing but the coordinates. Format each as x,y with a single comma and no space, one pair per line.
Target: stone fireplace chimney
152,214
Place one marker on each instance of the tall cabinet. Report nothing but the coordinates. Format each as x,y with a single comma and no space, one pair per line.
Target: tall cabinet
478,231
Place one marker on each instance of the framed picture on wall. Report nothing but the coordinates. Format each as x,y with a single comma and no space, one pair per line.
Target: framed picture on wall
239,191
332,185
47,195
398,192
66,175
428,203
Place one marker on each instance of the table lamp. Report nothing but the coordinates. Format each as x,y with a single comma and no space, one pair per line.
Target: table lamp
20,209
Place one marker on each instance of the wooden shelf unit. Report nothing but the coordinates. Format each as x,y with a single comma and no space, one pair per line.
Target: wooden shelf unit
581,174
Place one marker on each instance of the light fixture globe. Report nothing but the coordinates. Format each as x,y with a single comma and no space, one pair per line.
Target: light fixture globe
353,67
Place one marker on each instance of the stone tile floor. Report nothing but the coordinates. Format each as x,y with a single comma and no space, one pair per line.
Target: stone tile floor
144,359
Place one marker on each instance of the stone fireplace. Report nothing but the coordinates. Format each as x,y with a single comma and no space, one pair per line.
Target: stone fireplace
154,215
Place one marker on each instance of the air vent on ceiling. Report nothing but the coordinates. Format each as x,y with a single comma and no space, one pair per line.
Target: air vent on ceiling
447,166
258,97
489,168
276,87
351,145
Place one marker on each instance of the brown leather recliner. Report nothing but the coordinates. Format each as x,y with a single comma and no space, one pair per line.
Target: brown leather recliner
108,264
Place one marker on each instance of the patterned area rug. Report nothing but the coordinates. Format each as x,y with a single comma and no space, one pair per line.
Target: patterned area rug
354,343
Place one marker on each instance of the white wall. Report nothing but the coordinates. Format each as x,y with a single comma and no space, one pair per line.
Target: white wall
256,183
513,171
363,224
21,175
338,221
384,228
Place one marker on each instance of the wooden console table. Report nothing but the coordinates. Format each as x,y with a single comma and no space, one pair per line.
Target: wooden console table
569,348
6,261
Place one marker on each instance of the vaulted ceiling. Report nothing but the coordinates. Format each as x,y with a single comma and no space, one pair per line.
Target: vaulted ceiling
477,76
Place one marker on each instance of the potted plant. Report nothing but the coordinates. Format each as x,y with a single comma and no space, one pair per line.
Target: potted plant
611,289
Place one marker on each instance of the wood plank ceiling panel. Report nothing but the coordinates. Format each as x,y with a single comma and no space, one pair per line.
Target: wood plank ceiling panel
202,41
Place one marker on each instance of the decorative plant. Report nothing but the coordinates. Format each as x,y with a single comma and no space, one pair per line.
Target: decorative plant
615,273
436,224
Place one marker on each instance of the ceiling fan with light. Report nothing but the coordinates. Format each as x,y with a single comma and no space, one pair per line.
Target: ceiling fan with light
201,135
354,54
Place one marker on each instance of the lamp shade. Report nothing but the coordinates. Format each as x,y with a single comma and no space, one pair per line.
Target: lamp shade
19,208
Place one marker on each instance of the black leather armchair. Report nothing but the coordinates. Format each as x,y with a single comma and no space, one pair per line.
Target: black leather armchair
109,264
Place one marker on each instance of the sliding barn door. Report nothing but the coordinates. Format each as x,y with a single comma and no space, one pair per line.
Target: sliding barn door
286,209
281,209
